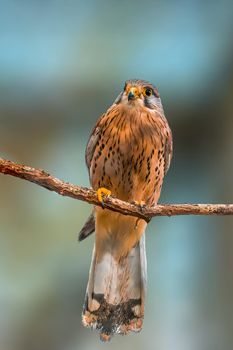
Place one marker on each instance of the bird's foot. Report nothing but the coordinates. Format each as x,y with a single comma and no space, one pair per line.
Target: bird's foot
102,192
141,204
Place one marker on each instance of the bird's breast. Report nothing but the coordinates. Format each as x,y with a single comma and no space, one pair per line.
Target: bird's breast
129,155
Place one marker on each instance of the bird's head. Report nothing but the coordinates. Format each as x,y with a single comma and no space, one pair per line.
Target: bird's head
138,93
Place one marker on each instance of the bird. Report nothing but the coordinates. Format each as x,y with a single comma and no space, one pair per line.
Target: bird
127,155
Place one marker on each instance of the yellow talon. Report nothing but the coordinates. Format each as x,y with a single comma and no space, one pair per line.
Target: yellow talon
140,203
102,192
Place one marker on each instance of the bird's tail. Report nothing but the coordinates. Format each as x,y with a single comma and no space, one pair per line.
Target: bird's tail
115,293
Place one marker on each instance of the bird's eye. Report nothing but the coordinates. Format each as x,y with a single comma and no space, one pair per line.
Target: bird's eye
148,92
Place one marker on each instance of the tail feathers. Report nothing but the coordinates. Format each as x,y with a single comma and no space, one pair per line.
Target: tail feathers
88,228
115,293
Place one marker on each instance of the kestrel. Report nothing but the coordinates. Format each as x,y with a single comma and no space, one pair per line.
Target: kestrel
127,155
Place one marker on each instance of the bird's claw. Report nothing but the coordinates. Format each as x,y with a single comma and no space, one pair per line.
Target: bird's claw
141,204
102,192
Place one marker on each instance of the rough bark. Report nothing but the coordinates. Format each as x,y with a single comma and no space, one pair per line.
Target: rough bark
42,178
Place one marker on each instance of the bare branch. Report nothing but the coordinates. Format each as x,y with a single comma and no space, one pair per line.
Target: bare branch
41,178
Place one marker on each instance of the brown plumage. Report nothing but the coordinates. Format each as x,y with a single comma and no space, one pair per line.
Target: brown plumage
128,153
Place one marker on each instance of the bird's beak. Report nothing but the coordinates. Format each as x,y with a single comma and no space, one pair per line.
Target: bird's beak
133,93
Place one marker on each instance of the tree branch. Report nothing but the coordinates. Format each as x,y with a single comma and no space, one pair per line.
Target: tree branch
41,178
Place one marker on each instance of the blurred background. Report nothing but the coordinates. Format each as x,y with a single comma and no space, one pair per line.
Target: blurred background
62,64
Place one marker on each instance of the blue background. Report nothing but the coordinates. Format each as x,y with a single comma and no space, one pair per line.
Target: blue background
62,63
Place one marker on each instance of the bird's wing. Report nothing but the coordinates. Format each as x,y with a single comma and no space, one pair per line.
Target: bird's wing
168,151
88,228
92,142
